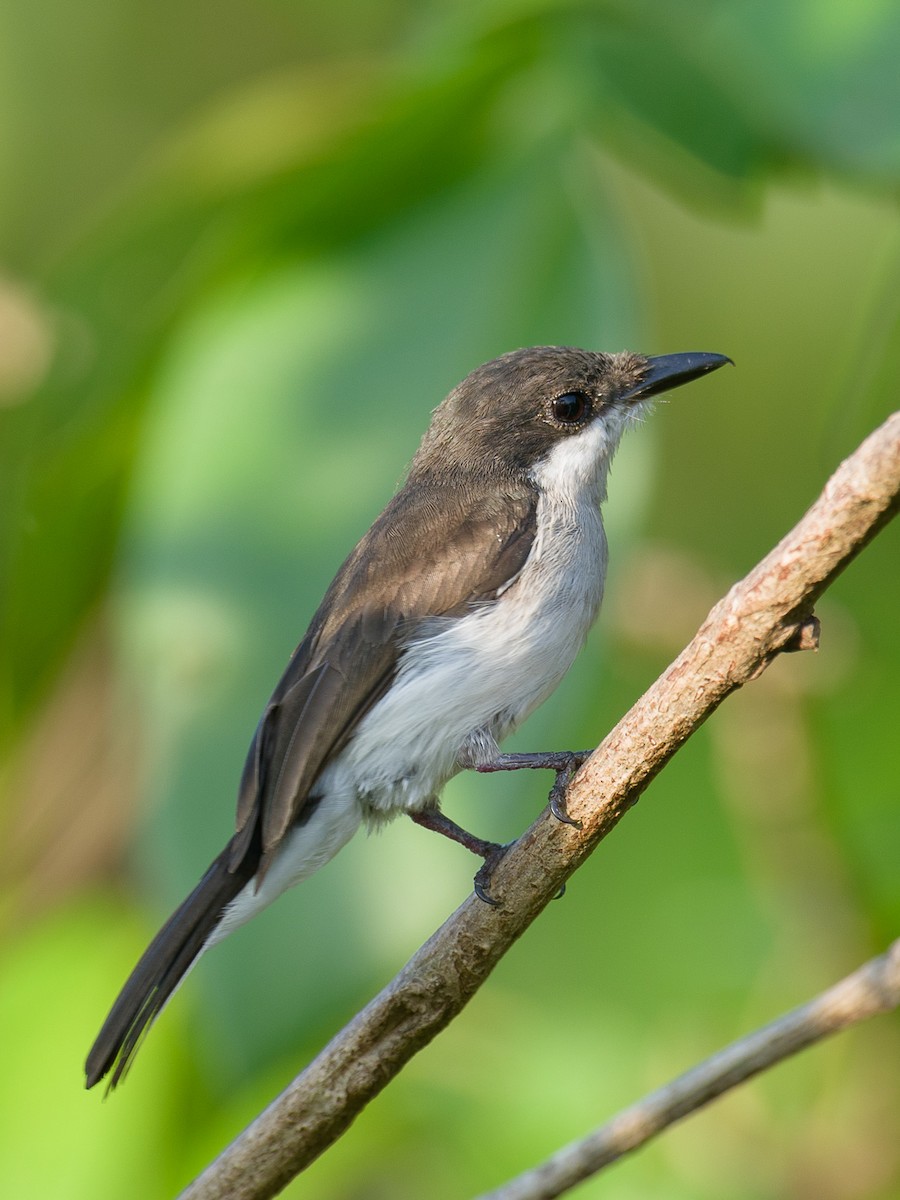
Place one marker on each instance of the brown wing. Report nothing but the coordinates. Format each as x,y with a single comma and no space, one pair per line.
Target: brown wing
476,542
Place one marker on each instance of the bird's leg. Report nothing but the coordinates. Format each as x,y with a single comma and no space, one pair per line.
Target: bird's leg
480,751
564,762
432,818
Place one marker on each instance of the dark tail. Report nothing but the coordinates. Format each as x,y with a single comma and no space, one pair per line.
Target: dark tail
163,965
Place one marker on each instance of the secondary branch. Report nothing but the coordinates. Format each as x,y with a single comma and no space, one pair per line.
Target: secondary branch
873,989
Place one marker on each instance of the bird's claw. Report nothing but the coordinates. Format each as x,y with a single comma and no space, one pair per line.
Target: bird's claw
482,880
564,775
483,877
557,800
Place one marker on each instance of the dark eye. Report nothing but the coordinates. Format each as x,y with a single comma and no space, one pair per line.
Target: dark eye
571,408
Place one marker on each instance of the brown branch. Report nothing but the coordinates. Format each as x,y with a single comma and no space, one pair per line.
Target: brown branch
873,989
768,612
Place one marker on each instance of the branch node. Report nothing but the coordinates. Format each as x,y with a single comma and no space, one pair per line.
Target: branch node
805,635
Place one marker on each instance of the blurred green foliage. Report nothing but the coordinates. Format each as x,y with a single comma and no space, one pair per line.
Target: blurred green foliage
246,249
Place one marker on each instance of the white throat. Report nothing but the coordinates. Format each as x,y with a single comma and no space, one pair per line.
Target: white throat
576,469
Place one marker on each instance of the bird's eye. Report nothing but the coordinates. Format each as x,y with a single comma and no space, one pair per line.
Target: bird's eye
571,408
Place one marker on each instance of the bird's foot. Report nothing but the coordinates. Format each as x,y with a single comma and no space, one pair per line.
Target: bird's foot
564,762
482,882
491,852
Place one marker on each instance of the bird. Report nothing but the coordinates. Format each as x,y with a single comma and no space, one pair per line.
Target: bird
454,617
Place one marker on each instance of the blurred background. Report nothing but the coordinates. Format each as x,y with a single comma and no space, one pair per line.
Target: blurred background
246,248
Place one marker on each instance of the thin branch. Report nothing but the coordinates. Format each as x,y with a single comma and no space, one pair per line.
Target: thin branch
873,989
768,612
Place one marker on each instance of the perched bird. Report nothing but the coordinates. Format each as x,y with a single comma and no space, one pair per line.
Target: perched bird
456,615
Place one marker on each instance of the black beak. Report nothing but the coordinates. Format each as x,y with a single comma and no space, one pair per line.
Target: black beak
672,370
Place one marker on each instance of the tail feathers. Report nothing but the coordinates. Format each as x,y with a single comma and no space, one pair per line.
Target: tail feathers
162,967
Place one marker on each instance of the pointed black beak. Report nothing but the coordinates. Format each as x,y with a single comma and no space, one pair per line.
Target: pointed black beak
672,370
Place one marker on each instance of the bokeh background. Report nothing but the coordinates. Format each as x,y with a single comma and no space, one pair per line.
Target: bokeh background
246,248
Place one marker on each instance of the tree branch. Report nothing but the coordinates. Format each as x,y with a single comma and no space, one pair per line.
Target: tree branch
768,612
873,989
